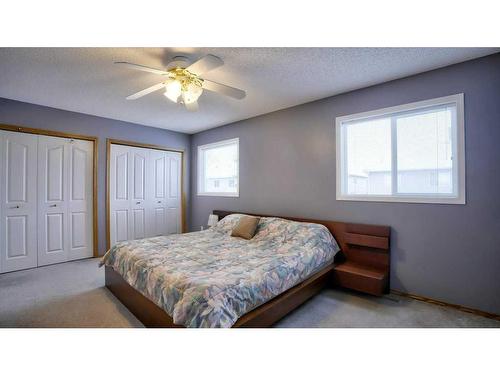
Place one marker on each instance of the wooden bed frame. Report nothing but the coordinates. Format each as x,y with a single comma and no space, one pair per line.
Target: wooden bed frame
269,313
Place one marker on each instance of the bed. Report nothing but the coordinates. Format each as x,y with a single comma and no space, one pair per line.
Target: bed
210,279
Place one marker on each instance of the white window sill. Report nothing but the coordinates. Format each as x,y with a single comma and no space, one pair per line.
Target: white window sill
233,195
402,199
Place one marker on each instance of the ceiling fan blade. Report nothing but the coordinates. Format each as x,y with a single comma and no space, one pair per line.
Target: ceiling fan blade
149,90
224,89
192,107
205,64
142,67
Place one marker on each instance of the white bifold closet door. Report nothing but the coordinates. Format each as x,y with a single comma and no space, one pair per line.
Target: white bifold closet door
165,205
46,187
18,207
64,199
145,193
174,193
157,218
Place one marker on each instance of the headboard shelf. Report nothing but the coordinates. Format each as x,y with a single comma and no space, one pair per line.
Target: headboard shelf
367,240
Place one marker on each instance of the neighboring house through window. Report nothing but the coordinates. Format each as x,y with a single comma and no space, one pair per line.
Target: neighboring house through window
218,168
408,153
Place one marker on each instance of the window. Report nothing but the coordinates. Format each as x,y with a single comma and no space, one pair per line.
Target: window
408,153
218,165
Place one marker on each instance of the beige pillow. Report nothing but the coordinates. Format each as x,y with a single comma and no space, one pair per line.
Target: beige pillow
246,227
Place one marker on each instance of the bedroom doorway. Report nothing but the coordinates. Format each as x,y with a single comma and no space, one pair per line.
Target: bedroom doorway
144,191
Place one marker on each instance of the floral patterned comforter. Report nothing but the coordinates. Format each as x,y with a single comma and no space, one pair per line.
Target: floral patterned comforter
210,279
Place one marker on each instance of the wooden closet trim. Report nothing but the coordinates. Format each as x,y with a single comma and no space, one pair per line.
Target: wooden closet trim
95,140
113,141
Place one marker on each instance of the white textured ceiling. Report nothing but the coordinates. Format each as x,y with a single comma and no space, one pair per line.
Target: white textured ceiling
86,80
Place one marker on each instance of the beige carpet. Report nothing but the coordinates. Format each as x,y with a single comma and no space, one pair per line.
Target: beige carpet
73,295
63,295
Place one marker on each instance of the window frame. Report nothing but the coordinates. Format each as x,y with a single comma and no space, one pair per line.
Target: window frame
201,172
458,152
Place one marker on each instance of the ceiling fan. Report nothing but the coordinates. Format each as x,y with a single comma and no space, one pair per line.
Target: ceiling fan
184,83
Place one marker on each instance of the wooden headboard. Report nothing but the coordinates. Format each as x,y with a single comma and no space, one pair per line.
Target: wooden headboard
362,243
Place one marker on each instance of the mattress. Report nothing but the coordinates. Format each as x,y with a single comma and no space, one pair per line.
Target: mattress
210,279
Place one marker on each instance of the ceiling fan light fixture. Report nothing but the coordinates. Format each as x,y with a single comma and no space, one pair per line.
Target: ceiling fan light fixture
184,83
191,93
173,90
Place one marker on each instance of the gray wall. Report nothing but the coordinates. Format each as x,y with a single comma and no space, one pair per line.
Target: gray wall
30,115
446,252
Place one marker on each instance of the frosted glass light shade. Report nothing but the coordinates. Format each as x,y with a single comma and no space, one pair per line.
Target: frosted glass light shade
192,93
173,90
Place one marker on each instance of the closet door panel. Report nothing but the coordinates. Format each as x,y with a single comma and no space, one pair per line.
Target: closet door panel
18,205
160,164
54,225
157,217
139,157
138,203
15,239
139,223
174,179
52,200
121,176
173,225
119,193
121,225
80,199
159,220
174,193
79,234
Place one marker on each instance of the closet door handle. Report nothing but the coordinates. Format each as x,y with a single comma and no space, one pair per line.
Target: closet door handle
159,201
137,202
15,206
53,205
